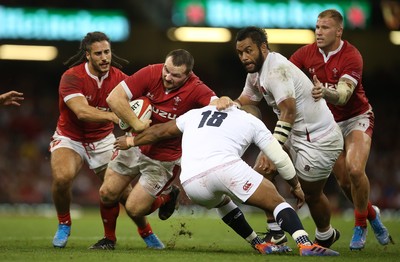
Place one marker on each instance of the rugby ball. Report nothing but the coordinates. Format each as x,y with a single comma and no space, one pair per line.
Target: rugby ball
142,108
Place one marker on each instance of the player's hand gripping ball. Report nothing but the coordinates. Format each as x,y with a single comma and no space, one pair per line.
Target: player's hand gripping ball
142,108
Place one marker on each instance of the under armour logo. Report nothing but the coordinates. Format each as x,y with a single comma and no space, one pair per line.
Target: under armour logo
150,96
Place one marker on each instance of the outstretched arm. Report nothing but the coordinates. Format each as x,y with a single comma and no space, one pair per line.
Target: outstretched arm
338,96
285,168
85,112
150,135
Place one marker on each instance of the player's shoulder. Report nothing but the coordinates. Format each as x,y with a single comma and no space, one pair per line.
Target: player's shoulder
306,49
277,60
76,70
196,87
350,49
194,80
154,68
116,72
246,120
275,63
74,74
150,71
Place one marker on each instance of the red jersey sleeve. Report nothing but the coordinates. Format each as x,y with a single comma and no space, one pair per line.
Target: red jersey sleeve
141,81
298,57
352,65
70,83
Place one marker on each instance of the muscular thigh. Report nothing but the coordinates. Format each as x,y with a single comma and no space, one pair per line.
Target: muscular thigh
65,163
357,132
266,196
114,183
357,146
99,153
126,162
314,188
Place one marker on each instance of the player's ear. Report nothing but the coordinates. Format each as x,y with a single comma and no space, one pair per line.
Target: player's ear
264,48
339,32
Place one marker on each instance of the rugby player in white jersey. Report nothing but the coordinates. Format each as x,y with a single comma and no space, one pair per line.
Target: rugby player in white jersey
306,128
213,172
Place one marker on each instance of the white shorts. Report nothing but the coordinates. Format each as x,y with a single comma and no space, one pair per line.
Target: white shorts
96,154
363,122
235,179
314,161
156,176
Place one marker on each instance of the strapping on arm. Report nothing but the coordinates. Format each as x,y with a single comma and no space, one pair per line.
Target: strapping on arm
341,94
281,160
281,131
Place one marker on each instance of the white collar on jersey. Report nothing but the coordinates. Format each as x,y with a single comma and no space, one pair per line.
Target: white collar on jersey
99,82
331,53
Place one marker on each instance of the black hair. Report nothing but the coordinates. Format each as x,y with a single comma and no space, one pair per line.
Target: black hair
257,35
85,45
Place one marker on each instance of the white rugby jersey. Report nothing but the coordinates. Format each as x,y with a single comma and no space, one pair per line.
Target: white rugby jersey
211,138
280,79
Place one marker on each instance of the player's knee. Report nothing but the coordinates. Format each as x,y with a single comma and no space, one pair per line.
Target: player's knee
355,173
62,181
133,210
313,198
106,196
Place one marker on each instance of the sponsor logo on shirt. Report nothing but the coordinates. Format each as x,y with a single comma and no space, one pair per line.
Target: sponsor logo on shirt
164,114
329,85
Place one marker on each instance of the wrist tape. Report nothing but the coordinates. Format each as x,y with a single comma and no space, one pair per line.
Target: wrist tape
281,131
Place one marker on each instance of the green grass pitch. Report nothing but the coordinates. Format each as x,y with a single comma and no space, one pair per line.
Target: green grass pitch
190,235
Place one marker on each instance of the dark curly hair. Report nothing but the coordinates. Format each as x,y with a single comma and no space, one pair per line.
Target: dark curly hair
86,43
257,35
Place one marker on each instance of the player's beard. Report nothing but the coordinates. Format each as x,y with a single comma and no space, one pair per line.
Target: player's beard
101,68
258,63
